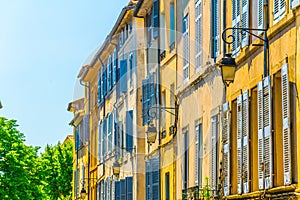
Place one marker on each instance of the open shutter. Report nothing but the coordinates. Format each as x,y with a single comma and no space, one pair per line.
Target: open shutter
99,86
148,181
116,129
104,140
172,23
155,10
152,93
260,135
108,188
155,179
99,141
115,62
215,28
129,130
129,188
279,9
226,147
267,124
198,34
102,190
196,161
117,190
260,15
213,163
186,48
245,22
123,189
123,75
245,167
145,101
286,125
239,142
105,190
295,3
113,190
236,18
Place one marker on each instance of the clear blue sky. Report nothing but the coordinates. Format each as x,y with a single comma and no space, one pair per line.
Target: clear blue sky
43,44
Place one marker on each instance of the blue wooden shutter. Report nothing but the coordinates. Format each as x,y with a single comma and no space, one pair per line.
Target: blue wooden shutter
129,188
104,82
117,190
172,23
115,62
99,86
215,28
129,130
148,180
155,10
123,189
123,75
116,128
77,144
152,91
149,29
155,179
144,82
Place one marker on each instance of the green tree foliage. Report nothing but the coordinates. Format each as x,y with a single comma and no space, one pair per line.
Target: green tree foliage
19,175
25,175
56,164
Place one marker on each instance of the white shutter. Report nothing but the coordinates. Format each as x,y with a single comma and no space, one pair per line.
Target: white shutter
245,22
213,168
260,15
198,34
260,135
245,127
279,9
108,189
295,3
99,142
282,7
286,125
226,148
239,142
196,168
113,190
236,18
276,9
186,50
267,124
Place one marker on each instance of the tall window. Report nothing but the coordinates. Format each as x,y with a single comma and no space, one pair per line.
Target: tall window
186,48
185,174
215,28
109,132
198,34
198,154
172,25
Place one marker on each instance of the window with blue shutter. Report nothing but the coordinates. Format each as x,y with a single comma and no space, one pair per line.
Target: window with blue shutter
129,188
104,134
131,63
104,82
149,28
155,10
77,143
172,23
129,130
144,101
152,91
148,181
215,28
116,128
123,189
115,62
123,75
109,132
117,190
109,73
155,178
99,86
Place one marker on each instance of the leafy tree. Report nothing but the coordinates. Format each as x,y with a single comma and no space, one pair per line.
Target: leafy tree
56,165
19,171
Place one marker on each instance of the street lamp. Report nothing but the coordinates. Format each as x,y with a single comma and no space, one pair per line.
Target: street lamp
116,168
228,67
151,133
83,193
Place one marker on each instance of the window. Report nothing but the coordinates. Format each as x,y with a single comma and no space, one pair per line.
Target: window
100,141
149,97
198,154
109,132
129,130
104,134
215,28
185,145
123,75
117,190
131,66
162,33
279,9
198,34
129,188
115,63
214,152
172,25
236,18
186,48
167,185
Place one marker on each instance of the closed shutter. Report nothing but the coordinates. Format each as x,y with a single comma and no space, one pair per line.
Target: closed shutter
155,10
108,188
123,189
86,128
104,82
198,34
213,163
286,125
129,130
105,190
236,18
99,87
108,75
98,191
295,3
129,188
123,75
148,181
245,22
245,134
155,179
152,94
239,142
267,119
149,28
113,190
117,190
145,101
226,148
260,135
260,15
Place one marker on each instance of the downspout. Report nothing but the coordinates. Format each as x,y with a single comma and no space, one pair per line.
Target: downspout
266,43
89,146
158,89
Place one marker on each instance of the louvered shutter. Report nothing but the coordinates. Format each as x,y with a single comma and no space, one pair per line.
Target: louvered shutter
236,18
155,179
101,190
239,142
108,75
98,191
99,86
99,141
108,188
286,125
123,75
115,62
172,23
216,28
245,22
279,9
260,15
117,190
245,134
260,135
186,48
198,34
129,188
105,190
129,130
295,3
123,189
152,93
113,190
109,132
226,148
148,181
155,10
105,81
267,119
196,161
213,163
145,101
104,139
116,129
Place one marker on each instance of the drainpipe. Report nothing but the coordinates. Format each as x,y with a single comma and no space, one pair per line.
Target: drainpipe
266,43
89,146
